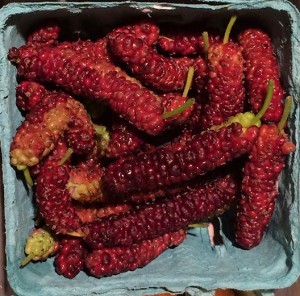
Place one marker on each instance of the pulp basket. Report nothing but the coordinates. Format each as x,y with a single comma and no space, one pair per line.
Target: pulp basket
193,266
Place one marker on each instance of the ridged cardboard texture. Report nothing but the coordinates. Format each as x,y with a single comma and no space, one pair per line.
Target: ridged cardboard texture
193,266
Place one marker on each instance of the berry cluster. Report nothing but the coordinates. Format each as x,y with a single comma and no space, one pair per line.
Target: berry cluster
131,139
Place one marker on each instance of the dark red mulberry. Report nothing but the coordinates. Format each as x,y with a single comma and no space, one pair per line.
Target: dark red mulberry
101,80
110,261
29,94
45,35
163,216
225,84
70,259
53,198
164,167
84,183
184,43
259,185
261,66
151,68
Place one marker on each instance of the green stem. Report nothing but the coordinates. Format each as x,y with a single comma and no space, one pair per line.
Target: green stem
286,111
189,81
188,103
75,233
206,42
26,260
27,176
198,225
100,129
228,29
266,104
168,38
66,156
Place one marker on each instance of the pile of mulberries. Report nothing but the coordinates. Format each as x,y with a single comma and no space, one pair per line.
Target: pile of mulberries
130,139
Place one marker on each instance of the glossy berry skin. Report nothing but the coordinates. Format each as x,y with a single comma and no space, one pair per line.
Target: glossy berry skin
53,197
151,68
110,261
163,166
184,44
225,84
84,183
200,77
89,213
56,114
100,80
97,50
40,131
260,185
59,151
124,139
46,35
144,30
172,101
70,259
172,213
260,66
29,94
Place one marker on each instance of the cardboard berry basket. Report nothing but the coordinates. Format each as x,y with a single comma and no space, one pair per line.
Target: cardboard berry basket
193,266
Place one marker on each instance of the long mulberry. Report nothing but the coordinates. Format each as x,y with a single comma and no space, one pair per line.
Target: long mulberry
103,81
175,212
225,84
151,68
184,44
110,261
260,185
261,66
52,195
164,167
57,113
89,213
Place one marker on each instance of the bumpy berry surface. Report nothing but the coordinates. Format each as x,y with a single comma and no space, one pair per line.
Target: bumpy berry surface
80,134
90,213
200,77
84,182
172,101
260,66
56,154
53,198
96,51
184,44
161,73
259,185
29,94
124,140
110,261
163,216
70,259
147,31
56,114
164,167
46,35
40,131
100,80
225,84
40,245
